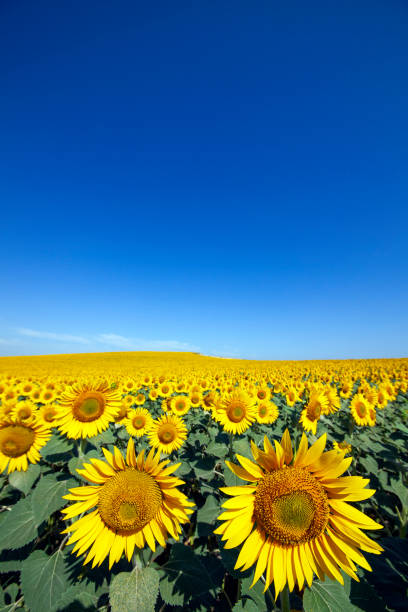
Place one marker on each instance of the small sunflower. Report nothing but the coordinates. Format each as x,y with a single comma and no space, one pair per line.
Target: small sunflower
48,415
20,442
24,411
236,412
318,404
167,433
343,447
293,519
180,404
87,409
267,412
138,422
134,502
359,408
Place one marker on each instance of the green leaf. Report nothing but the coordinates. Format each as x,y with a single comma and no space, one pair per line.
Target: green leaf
242,447
217,450
11,560
206,516
18,527
256,594
23,481
44,580
84,593
57,449
231,479
47,496
105,437
76,463
134,591
185,576
327,596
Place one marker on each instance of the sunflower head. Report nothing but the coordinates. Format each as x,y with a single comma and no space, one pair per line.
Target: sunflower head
87,409
294,519
138,422
236,412
167,433
133,502
20,442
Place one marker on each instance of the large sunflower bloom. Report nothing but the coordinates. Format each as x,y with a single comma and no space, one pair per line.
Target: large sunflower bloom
294,519
20,442
236,412
137,501
167,433
87,409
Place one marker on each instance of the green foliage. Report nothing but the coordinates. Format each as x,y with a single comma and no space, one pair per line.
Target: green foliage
23,481
44,580
134,591
327,596
206,516
47,496
18,526
187,575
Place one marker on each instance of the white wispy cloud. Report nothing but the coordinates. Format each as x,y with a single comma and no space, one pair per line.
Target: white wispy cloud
109,340
143,344
33,333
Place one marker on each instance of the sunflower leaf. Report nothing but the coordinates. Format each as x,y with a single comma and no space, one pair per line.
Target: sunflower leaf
57,449
23,481
18,527
327,596
206,516
186,575
134,591
44,580
47,496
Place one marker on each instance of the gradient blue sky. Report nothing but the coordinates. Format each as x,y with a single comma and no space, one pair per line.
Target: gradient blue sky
225,177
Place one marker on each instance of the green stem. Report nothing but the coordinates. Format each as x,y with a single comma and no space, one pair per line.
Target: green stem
137,560
82,446
284,599
230,450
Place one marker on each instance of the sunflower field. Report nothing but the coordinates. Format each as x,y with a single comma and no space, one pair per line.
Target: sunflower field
174,481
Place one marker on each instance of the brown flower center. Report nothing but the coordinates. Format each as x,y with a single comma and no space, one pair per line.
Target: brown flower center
89,406
167,433
236,412
291,506
15,440
129,500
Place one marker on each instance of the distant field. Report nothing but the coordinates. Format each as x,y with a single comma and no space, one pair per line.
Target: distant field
175,481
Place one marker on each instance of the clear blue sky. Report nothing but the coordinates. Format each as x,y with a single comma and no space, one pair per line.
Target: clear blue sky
230,177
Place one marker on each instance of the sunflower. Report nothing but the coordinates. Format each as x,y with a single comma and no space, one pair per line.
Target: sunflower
267,412
20,442
263,394
294,518
318,404
359,408
133,501
292,396
140,399
180,404
138,422
236,412
343,447
167,433
48,415
87,409
24,411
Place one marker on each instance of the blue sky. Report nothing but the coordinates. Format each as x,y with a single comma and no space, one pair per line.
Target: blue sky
224,177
